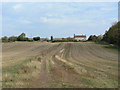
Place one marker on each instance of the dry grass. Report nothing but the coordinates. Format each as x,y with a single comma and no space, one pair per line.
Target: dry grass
24,75
59,65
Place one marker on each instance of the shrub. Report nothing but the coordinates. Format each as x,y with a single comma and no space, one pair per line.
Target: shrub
36,38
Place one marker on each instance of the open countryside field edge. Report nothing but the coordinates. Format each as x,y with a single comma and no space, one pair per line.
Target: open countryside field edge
59,65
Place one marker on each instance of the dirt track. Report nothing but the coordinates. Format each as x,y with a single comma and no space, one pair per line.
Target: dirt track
67,64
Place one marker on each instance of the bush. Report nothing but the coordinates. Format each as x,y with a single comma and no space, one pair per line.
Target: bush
112,36
12,39
4,39
95,38
36,38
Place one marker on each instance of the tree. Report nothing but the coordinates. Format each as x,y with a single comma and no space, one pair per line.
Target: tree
21,37
26,39
112,36
99,38
90,38
4,39
12,39
95,38
36,38
51,38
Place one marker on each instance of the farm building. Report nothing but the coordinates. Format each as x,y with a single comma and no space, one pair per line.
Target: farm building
58,39
80,37
43,39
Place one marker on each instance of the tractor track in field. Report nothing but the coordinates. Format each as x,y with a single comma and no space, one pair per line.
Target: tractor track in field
71,65
68,62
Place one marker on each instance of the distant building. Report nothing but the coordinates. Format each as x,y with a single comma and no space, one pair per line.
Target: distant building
31,39
80,37
70,38
44,39
57,38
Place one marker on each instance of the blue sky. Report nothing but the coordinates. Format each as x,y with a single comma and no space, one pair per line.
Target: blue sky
60,19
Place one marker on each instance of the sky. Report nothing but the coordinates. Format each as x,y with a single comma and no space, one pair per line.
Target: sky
57,19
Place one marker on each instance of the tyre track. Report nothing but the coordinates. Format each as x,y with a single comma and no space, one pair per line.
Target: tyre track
70,62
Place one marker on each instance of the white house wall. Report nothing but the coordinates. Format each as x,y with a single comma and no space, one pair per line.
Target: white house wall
80,39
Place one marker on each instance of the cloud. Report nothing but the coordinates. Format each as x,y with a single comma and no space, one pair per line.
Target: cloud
60,0
52,20
108,9
114,19
17,6
51,17
25,22
66,21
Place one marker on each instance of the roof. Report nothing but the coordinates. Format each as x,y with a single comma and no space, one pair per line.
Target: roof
80,36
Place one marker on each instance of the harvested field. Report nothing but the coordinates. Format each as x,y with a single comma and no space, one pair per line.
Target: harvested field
59,65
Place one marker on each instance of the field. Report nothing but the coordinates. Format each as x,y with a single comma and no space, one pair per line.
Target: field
59,65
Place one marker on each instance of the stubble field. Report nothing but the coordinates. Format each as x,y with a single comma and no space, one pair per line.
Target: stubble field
59,65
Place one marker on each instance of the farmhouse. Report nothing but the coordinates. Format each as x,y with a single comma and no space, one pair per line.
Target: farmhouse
80,37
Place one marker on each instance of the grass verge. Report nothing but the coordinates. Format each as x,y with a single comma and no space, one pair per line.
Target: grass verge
20,75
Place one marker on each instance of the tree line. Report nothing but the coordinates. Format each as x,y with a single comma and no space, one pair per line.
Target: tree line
95,38
21,37
111,36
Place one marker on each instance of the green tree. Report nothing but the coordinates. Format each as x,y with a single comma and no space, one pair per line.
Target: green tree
21,37
51,38
12,39
99,38
112,36
36,38
90,38
5,39
93,38
26,39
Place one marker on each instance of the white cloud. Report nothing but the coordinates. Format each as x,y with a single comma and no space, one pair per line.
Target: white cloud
25,22
52,20
49,15
17,6
60,0
69,17
104,22
108,9
64,20
114,19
